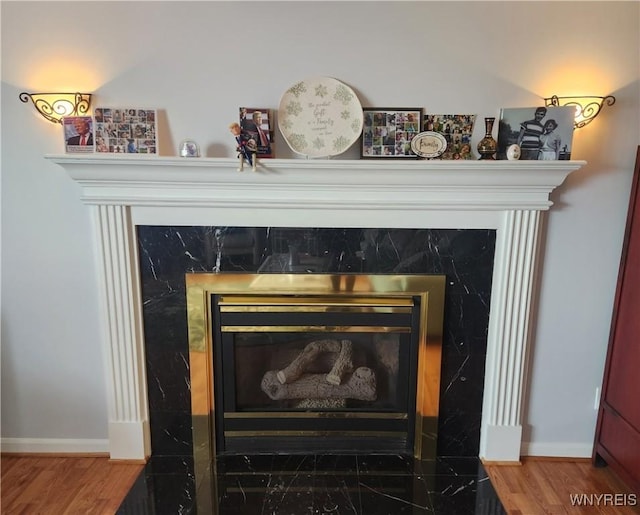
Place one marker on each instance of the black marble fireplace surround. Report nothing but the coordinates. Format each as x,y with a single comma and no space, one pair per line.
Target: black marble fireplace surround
465,256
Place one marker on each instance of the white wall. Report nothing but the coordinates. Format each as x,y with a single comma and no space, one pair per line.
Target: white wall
198,61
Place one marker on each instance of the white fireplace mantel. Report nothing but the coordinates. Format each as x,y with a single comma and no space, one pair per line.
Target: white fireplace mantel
508,196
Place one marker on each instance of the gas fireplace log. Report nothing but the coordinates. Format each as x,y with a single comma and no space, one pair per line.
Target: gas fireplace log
310,353
360,386
343,364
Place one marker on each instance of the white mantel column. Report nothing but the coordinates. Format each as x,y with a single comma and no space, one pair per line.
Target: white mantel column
511,294
122,333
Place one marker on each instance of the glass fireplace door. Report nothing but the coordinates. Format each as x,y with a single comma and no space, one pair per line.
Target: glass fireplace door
316,372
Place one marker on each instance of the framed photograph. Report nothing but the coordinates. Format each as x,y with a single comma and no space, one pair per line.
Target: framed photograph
388,132
78,134
542,133
456,130
125,130
255,124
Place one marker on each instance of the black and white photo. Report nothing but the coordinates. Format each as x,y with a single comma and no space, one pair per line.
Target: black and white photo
542,133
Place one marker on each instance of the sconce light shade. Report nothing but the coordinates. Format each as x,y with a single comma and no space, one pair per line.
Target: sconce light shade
587,108
55,106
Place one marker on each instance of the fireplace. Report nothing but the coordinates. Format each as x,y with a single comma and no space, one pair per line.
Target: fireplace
501,197
176,374
309,363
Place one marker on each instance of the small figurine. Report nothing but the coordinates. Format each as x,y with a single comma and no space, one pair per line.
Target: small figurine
247,148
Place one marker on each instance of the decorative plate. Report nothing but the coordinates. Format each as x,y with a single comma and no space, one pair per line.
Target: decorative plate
320,117
429,144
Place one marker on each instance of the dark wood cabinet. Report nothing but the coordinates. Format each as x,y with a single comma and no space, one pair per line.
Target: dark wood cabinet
617,440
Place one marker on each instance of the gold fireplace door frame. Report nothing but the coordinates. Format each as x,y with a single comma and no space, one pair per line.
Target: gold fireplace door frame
201,287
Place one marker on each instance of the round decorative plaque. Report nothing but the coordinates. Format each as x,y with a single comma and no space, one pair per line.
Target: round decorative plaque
320,117
429,144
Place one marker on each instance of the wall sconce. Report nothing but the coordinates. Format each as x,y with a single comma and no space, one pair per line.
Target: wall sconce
587,108
55,106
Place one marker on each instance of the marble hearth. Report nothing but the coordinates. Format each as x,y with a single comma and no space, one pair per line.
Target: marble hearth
502,200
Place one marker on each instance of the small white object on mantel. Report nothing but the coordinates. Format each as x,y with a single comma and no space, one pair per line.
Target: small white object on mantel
513,152
189,148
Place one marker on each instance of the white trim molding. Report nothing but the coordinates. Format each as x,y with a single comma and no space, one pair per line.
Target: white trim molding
122,328
54,445
508,196
557,450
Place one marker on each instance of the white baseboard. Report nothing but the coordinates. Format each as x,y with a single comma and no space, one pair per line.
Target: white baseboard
54,445
557,450
80,446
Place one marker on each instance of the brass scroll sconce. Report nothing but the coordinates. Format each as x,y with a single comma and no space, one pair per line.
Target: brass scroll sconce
587,107
55,106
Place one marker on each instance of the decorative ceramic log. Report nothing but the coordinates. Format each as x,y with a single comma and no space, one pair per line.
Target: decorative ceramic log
310,353
361,386
343,364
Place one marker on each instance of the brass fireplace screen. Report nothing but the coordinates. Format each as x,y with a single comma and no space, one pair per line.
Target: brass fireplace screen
315,362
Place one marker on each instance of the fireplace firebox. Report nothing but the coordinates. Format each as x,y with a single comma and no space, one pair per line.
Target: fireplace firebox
286,363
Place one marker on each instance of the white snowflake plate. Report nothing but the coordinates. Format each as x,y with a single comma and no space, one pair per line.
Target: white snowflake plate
320,117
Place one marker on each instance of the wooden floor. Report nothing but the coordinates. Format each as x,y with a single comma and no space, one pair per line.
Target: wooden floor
64,486
546,486
94,485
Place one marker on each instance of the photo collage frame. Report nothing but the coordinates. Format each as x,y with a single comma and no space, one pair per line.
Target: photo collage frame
125,130
388,132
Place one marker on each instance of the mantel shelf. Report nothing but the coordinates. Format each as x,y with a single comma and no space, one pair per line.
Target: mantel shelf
143,180
274,166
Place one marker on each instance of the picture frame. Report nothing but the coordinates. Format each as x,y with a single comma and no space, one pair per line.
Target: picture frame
256,124
525,127
125,130
78,134
457,130
387,132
